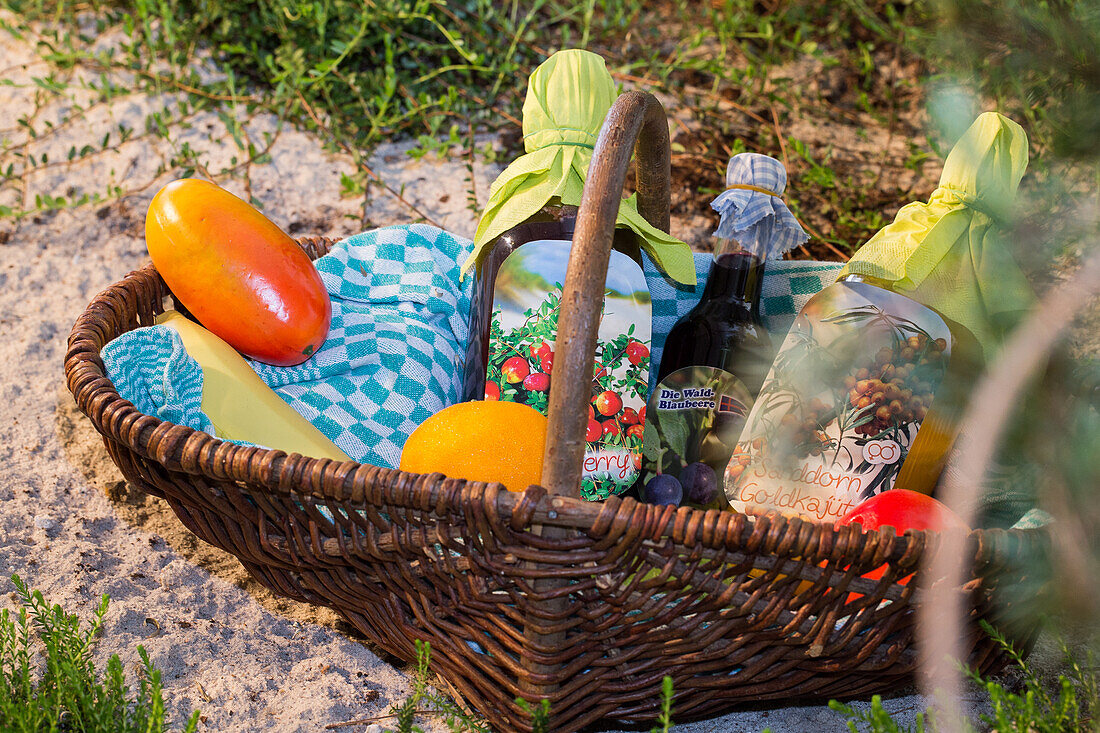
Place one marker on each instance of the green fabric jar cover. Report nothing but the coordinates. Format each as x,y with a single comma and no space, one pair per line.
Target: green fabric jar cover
568,96
950,253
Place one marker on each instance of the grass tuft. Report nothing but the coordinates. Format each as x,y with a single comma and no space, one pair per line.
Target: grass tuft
68,693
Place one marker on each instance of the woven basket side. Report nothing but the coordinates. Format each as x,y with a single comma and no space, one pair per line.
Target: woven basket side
732,609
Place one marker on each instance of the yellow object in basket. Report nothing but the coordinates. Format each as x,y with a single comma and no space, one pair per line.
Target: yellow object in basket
480,441
239,403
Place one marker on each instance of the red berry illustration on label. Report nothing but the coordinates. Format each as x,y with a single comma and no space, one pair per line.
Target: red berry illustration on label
515,370
522,336
536,382
593,432
608,403
636,351
492,391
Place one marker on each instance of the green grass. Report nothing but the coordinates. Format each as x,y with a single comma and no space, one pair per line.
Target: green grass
740,75
1065,705
360,73
66,692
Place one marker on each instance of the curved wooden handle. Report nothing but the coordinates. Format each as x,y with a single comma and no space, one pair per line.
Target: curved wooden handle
635,124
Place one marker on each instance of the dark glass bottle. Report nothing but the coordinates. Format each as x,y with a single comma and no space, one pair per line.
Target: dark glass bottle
717,356
724,329
714,361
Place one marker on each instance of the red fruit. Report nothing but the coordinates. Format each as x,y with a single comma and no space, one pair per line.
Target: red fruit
591,413
635,431
539,350
630,416
637,461
641,415
515,370
492,391
547,362
611,428
901,509
608,403
241,276
593,432
536,382
600,371
636,351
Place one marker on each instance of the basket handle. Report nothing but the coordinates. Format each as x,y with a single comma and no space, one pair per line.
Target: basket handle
635,124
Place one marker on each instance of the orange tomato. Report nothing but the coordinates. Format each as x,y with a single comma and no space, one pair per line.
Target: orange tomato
240,275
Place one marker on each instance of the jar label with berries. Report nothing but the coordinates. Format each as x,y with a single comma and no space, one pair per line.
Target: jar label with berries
522,334
843,405
692,423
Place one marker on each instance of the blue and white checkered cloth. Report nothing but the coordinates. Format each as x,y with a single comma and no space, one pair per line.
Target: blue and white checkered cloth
396,346
392,358
760,222
151,368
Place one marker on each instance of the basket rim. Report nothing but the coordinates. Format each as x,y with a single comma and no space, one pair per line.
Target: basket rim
325,480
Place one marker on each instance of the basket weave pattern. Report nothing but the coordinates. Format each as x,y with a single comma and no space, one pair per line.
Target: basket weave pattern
735,611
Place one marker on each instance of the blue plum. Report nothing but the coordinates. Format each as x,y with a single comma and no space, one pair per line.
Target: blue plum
664,489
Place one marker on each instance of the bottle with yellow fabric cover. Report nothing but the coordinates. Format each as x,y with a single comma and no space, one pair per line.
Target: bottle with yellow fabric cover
867,391
239,404
521,251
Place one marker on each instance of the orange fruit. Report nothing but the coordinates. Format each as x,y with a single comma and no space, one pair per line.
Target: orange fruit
480,441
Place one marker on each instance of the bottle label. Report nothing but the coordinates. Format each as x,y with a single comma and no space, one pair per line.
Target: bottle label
522,336
842,405
692,423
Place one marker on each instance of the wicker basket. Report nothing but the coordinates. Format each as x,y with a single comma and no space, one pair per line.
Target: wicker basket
539,594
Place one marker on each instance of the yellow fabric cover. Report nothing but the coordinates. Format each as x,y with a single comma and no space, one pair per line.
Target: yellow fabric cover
950,253
568,96
239,404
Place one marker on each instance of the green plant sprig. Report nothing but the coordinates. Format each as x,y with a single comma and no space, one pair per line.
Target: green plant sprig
69,693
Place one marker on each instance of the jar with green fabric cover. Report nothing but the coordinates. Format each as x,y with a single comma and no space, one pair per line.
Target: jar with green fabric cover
867,391
522,248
